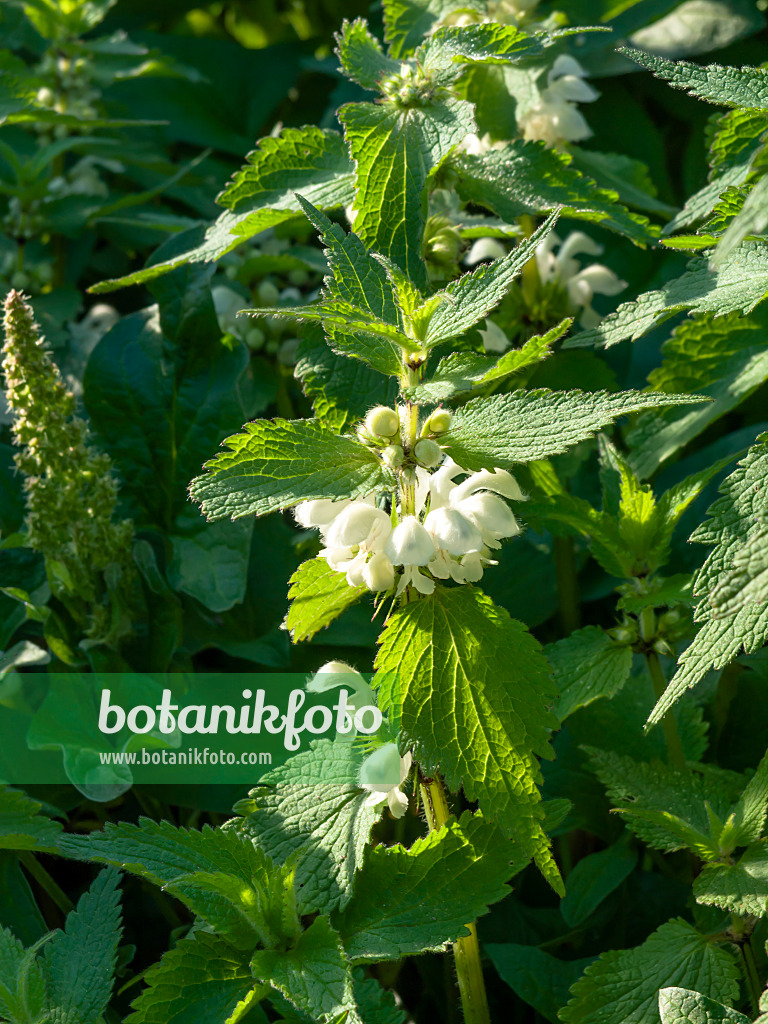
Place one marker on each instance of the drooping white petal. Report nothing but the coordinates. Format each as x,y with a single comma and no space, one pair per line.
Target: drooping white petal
354,524
413,577
338,558
565,65
441,482
378,573
485,249
494,339
319,513
472,564
578,242
338,674
453,532
397,801
499,481
490,514
601,280
573,89
409,544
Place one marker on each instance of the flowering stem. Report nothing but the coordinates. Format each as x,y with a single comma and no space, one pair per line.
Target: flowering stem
466,950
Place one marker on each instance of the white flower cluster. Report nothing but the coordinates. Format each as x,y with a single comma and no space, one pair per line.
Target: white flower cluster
581,285
555,118
450,534
385,762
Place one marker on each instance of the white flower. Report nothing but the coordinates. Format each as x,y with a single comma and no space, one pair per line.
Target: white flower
581,285
411,546
453,532
318,514
376,774
491,516
360,531
338,673
378,572
485,249
555,119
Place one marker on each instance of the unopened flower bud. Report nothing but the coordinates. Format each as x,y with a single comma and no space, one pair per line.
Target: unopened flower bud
428,453
45,96
382,421
439,421
622,635
662,647
393,456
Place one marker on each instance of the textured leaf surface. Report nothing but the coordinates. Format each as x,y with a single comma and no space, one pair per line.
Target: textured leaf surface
80,960
736,286
276,464
314,804
587,664
728,87
594,878
318,595
22,826
525,425
539,979
741,888
527,177
682,1006
409,901
361,56
310,160
396,151
459,372
472,688
200,979
724,358
732,584
624,985
314,975
444,52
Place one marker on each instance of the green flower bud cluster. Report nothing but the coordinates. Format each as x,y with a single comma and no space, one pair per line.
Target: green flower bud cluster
382,428
410,88
442,247
70,490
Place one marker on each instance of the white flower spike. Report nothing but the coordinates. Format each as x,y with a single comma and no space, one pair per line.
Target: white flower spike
376,773
411,546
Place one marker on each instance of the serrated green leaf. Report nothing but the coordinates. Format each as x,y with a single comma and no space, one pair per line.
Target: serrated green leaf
471,688
314,804
361,56
659,593
79,962
594,878
377,1005
22,982
751,220
200,979
444,53
526,425
664,806
746,824
741,888
22,826
318,595
624,985
309,160
460,372
474,295
396,151
683,1006
410,901
735,532
723,358
342,390
628,177
278,463
736,286
587,665
314,975
527,177
219,875
728,87
407,22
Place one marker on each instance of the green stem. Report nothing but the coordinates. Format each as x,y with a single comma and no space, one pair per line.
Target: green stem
46,883
675,754
567,584
466,950
753,978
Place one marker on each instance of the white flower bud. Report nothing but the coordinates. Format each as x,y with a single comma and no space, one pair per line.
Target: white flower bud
356,523
409,544
428,453
453,532
382,421
393,456
378,573
439,421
